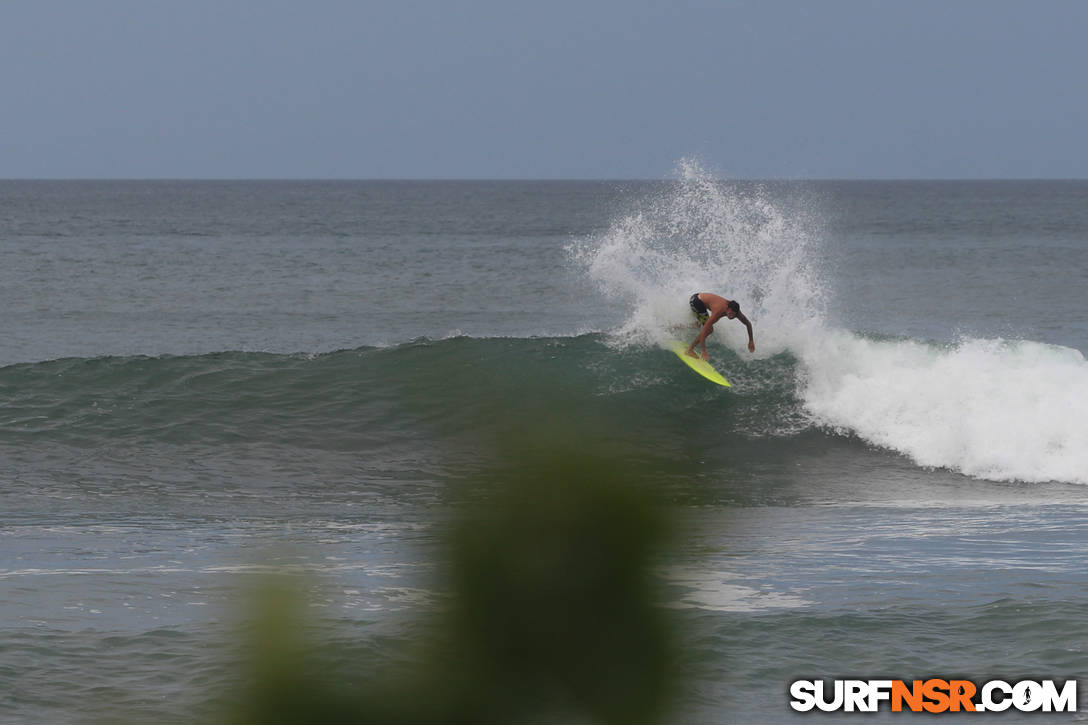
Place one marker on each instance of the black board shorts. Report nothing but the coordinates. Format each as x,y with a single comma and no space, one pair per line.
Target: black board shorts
702,312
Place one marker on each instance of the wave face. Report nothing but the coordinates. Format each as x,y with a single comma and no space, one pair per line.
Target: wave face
990,409
351,398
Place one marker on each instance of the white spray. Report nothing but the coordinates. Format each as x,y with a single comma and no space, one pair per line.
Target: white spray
701,235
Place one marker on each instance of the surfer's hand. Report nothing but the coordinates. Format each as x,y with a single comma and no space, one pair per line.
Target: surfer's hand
751,346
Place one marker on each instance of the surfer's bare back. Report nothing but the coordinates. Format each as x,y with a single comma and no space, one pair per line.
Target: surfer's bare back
708,309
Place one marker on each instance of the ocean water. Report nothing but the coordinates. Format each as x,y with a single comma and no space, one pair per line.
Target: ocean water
203,381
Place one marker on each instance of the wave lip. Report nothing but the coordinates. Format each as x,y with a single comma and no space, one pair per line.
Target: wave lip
993,409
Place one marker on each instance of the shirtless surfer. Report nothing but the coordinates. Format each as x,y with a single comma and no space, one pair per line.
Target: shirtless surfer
708,309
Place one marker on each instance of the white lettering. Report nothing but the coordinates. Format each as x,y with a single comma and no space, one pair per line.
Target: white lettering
856,695
1065,701
879,690
1027,696
834,704
803,693
988,699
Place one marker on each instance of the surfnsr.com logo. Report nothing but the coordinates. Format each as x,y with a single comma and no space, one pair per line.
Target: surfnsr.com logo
933,695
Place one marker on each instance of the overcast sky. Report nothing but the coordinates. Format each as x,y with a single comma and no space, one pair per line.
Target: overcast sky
543,89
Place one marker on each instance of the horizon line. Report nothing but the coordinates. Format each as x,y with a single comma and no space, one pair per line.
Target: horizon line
514,179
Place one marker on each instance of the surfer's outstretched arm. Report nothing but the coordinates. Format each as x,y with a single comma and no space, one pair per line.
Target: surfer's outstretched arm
751,338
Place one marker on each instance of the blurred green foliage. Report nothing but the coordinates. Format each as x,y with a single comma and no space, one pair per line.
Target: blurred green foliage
553,612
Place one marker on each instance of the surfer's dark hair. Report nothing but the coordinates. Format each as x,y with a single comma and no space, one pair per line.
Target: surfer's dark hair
733,305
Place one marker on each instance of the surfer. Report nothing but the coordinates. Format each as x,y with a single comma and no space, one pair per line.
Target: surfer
708,309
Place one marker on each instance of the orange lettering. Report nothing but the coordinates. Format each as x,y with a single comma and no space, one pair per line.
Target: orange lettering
936,691
961,693
912,695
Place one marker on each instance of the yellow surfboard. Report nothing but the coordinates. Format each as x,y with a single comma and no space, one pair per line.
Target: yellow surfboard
698,364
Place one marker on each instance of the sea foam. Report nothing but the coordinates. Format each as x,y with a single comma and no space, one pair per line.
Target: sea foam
993,409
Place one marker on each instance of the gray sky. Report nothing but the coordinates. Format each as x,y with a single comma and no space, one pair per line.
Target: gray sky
547,89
